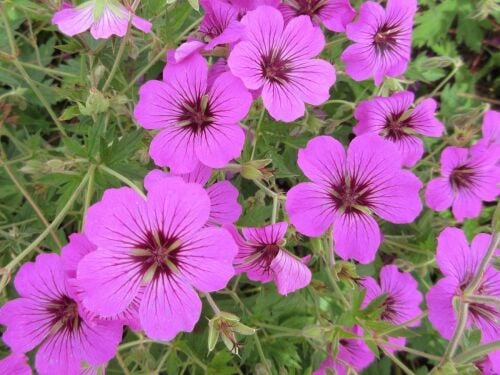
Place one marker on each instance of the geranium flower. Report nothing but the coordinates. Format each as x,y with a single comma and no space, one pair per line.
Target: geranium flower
281,61
402,302
263,257
382,40
224,206
15,364
104,18
346,190
199,122
334,14
353,353
459,263
491,134
71,255
393,118
159,245
466,181
48,315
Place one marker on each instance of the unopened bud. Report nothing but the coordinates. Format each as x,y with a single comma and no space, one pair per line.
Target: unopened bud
256,169
96,103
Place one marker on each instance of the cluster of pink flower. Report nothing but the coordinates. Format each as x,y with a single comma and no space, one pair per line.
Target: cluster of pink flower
141,260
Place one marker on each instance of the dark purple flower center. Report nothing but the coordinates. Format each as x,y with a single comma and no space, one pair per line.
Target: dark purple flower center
386,38
196,115
157,255
462,177
309,8
351,196
389,311
263,256
274,67
64,313
396,126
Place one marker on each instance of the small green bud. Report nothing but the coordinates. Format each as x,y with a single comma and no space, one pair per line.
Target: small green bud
96,103
255,169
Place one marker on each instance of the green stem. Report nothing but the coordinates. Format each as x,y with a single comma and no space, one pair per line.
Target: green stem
212,303
476,352
118,59
476,281
123,179
273,195
88,194
463,311
332,281
410,350
31,201
62,214
400,364
25,75
490,300
257,132
262,356
446,79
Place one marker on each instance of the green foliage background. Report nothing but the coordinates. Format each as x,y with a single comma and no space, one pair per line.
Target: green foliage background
63,120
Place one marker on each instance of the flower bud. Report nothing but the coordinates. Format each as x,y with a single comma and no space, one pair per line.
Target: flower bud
225,326
96,103
255,169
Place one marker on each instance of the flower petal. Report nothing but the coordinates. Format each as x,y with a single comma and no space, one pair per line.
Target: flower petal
168,307
290,273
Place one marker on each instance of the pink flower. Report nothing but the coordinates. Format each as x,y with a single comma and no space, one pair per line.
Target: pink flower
199,122
71,255
104,18
491,134
382,40
224,206
220,23
263,257
280,60
47,315
15,364
346,190
244,6
459,263
353,353
466,180
402,301
158,250
334,14
394,119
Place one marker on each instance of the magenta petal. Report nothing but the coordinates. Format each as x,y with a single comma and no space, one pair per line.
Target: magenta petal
270,234
440,304
313,79
372,290
454,256
356,236
452,157
398,201
57,355
28,323
230,100
243,64
219,144
301,39
72,21
439,194
168,307
154,109
110,23
206,259
337,15
176,208
290,273
466,205
174,147
110,281
411,150
15,364
310,208
323,160
224,206
74,251
283,101
113,222
142,24
424,121
99,341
